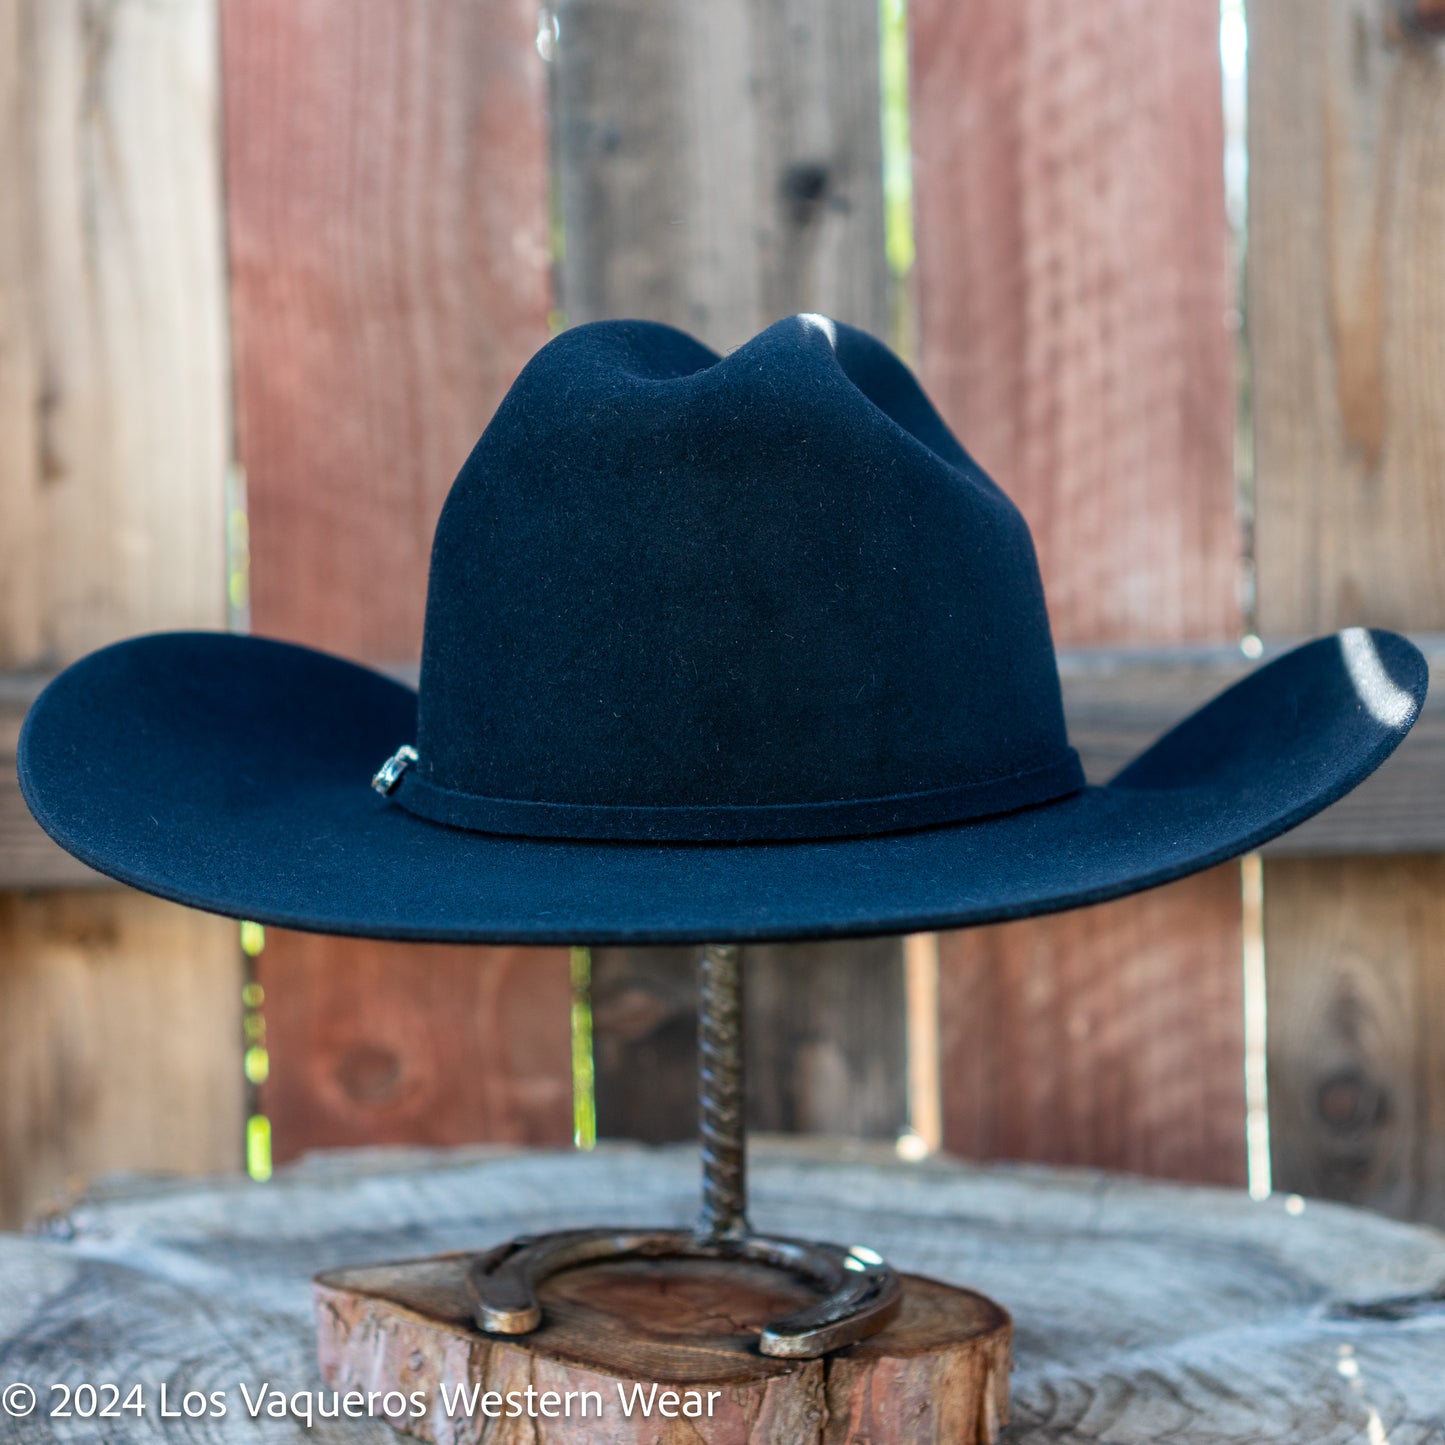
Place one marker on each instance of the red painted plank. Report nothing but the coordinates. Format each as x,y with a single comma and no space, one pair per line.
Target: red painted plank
386,185
373,1044
386,210
1073,276
1073,299
1108,1037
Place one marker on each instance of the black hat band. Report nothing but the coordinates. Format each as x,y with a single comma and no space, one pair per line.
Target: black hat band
773,822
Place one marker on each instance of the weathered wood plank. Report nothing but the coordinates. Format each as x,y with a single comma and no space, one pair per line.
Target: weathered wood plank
386,190
28,859
822,1056
827,1038
1143,1312
386,183
1073,290
118,1042
473,1046
1111,1037
1073,285
116,421
1119,700
718,167
1347,319
122,1027
1356,1071
644,1042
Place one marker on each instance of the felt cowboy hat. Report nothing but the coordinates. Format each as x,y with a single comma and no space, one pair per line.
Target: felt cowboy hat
715,648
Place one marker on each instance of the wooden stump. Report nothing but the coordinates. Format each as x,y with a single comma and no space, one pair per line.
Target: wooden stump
661,1336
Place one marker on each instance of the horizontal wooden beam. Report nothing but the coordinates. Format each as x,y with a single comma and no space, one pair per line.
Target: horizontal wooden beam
28,859
1118,701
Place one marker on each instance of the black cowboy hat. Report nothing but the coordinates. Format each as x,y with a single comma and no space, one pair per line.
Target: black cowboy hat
739,648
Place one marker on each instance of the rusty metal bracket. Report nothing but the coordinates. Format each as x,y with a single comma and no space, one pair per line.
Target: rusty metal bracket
859,1292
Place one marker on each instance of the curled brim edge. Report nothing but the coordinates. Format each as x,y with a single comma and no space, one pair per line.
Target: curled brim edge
231,774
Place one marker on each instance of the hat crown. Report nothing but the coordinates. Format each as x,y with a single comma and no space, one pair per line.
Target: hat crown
678,596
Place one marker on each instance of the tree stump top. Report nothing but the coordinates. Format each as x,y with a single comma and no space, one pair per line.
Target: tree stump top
1142,1311
661,1352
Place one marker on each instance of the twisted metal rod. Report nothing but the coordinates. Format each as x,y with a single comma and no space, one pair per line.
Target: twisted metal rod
721,1095
859,1293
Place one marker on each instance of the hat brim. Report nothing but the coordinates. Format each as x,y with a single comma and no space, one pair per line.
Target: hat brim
231,774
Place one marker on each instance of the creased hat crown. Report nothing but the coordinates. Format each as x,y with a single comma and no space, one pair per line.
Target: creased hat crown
675,596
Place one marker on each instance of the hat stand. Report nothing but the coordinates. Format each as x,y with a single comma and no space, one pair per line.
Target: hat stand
860,1293
857,1352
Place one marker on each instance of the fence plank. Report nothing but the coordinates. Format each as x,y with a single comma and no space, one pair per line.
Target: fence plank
385,171
117,417
1347,318
387,222
1108,1037
1118,701
1073,299
119,1015
122,1024
822,1056
466,1048
1356,1071
720,166
1074,290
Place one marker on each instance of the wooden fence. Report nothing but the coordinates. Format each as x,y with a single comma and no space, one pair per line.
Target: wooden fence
266,266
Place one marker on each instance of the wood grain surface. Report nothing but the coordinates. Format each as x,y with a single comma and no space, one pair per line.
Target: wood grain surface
28,859
719,167
644,1043
1074,285
1108,1038
823,1056
1347,319
116,415
937,1373
385,169
118,1017
1142,1312
1073,299
1118,701
468,1043
121,1019
1356,996
386,194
